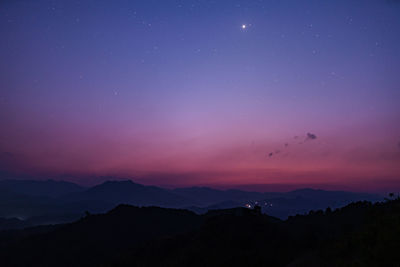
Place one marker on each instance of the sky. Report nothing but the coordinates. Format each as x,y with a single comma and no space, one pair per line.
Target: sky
200,92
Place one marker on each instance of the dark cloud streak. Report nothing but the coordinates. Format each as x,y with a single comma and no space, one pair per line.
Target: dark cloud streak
310,136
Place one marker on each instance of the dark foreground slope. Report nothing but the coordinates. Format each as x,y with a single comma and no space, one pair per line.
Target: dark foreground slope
95,238
360,234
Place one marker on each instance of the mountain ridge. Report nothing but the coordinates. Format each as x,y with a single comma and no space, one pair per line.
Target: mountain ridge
154,236
61,206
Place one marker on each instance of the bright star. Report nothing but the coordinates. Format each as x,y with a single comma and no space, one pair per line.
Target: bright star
244,26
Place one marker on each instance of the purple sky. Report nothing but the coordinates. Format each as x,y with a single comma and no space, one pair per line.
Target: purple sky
180,93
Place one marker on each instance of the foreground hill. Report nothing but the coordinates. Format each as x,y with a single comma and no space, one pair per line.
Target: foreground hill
360,234
95,237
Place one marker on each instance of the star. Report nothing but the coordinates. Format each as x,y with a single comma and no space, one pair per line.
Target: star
245,27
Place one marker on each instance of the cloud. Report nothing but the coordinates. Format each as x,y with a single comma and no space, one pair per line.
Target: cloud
310,136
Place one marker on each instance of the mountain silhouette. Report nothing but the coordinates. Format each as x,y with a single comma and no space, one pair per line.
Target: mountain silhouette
40,205
208,196
359,234
47,188
128,192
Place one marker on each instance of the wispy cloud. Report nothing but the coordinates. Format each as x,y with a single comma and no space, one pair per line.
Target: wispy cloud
310,136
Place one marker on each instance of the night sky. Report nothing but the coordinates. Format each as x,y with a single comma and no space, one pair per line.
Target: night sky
202,92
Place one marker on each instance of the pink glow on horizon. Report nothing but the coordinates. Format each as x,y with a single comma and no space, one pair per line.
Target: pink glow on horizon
341,157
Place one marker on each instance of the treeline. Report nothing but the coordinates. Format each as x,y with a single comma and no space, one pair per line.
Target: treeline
359,234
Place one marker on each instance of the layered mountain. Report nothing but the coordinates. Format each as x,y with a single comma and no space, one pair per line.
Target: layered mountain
47,188
43,202
128,192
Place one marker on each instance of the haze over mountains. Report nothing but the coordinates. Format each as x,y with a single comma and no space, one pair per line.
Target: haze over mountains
27,203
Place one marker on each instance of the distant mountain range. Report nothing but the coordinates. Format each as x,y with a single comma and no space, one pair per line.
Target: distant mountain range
44,202
48,188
